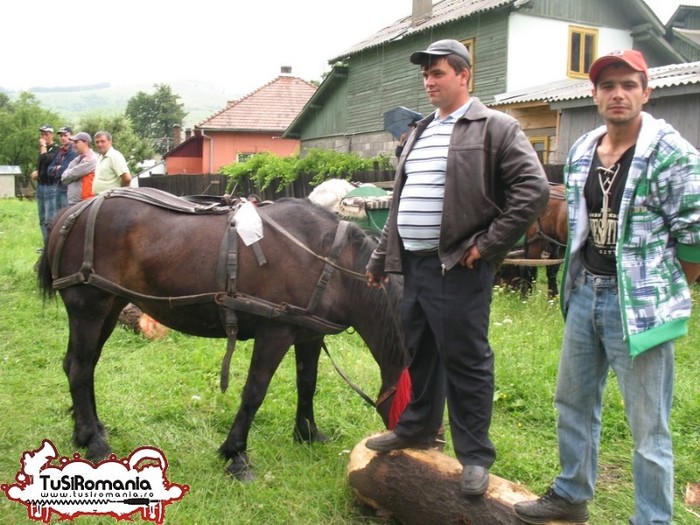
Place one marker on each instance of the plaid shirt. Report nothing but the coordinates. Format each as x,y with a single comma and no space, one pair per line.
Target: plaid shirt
659,222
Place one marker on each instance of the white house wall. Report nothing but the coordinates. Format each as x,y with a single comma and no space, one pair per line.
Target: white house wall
538,49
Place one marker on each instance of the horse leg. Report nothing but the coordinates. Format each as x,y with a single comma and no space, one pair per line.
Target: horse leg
272,341
552,271
527,281
307,355
92,316
552,288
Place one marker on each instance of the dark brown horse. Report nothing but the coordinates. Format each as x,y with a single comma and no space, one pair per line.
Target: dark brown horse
185,265
544,241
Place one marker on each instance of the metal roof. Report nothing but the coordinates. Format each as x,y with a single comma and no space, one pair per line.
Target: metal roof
442,13
571,89
10,169
692,36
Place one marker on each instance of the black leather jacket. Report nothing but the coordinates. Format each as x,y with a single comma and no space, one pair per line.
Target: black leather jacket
495,187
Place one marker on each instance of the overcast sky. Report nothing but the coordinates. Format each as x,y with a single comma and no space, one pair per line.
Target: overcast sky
236,46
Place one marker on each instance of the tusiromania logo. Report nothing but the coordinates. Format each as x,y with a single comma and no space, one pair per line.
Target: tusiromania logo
76,487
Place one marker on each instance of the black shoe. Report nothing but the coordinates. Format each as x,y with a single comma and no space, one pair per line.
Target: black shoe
390,441
550,507
475,480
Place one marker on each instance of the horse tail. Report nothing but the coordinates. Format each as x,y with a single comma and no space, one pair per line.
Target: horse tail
44,275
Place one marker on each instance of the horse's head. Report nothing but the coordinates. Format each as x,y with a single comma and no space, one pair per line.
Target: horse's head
346,299
376,317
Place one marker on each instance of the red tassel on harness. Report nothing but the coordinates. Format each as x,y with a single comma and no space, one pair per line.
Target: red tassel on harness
401,398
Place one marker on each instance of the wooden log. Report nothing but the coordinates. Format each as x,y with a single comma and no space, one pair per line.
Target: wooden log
692,494
132,317
421,487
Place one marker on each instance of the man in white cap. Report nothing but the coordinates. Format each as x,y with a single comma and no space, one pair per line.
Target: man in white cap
633,191
46,187
468,184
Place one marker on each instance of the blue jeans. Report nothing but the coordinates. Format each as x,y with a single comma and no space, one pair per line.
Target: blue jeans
593,342
46,200
61,197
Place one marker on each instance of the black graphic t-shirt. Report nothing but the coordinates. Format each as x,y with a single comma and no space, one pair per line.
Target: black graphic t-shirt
603,192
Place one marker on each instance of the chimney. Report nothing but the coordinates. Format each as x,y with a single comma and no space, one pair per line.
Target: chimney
177,137
188,133
422,10
286,70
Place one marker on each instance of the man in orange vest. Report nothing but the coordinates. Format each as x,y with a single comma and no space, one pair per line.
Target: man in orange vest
80,173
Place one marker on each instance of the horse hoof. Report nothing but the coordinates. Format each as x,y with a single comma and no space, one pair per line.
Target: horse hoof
97,452
320,437
241,470
314,437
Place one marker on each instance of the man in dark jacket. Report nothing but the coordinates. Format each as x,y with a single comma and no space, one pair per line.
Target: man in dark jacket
66,153
46,188
468,184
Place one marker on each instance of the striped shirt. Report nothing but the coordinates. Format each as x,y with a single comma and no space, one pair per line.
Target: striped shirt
420,204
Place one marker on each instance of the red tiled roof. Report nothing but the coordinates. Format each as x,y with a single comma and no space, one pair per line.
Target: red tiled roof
271,107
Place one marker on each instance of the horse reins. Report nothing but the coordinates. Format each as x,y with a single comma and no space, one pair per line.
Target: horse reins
283,231
360,277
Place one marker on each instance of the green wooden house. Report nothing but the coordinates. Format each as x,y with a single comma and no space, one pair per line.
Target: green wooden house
514,44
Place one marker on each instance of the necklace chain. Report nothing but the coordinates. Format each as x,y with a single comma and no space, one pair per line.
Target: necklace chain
606,178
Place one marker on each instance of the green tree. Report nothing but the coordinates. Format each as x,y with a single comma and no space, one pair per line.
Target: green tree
153,116
20,120
134,149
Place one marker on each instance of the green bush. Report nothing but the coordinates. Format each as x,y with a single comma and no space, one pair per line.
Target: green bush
266,169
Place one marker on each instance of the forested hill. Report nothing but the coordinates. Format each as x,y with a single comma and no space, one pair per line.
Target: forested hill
200,100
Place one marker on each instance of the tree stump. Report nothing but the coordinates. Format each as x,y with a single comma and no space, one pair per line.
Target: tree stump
133,318
421,487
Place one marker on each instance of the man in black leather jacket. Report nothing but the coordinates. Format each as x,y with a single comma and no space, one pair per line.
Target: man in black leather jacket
467,186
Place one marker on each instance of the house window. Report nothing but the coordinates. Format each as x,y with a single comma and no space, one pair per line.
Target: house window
242,157
583,46
541,147
469,43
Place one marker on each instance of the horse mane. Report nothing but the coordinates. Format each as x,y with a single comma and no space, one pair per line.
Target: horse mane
388,312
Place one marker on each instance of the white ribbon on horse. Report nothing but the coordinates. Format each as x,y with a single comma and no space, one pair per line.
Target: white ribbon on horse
250,228
248,223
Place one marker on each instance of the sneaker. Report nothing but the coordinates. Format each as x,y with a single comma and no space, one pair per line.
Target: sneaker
550,507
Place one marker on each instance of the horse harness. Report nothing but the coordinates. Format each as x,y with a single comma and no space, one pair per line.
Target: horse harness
555,193
229,299
514,257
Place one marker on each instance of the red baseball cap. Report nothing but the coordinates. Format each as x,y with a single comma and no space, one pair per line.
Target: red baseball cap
631,57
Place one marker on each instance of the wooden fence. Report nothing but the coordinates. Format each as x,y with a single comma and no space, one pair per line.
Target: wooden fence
216,184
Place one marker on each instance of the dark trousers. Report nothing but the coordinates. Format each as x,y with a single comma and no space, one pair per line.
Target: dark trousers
446,320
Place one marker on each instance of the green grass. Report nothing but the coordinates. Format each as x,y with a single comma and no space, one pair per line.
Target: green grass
165,394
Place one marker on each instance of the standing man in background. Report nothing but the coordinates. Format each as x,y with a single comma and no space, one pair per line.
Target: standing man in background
46,188
467,186
112,170
633,192
65,155
80,174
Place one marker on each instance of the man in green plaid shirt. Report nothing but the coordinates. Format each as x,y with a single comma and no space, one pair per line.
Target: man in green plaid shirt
633,192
